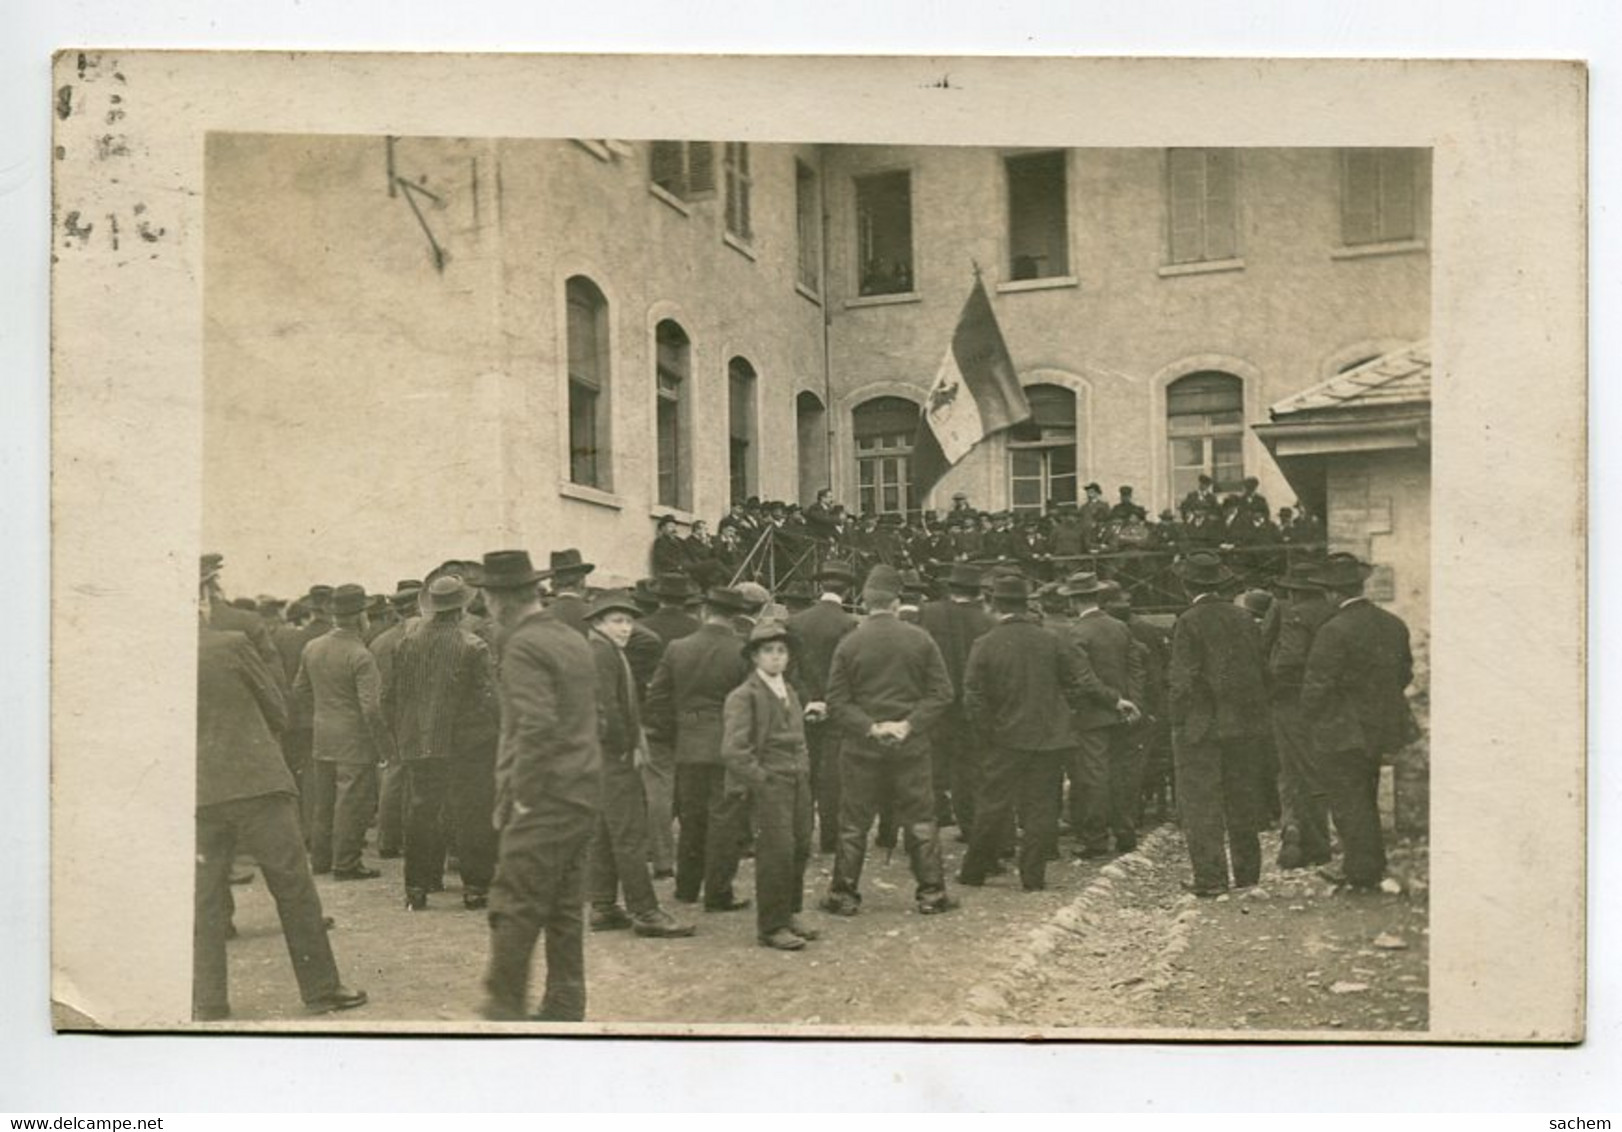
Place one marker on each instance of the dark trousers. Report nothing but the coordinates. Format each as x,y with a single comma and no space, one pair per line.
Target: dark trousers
298,747
267,829
955,770
659,787
540,885
1217,801
1026,782
619,846
391,808
868,774
1302,793
1106,777
781,813
822,739
1353,779
461,788
712,826
345,795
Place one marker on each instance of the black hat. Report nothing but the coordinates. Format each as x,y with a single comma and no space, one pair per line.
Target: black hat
568,563
348,600
508,570
835,569
614,601
797,590
1094,487
963,578
672,587
1342,570
268,604
883,580
1302,575
726,599
1083,583
1203,568
320,597
1010,588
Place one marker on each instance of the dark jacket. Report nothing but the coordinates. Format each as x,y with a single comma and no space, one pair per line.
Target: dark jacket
619,722
762,735
669,555
813,635
955,626
642,653
571,610
439,694
1218,687
1107,645
886,671
240,712
691,684
1352,694
339,682
1017,675
1295,624
670,623
1155,643
548,687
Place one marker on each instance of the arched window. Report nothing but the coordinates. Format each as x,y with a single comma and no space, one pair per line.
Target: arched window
741,429
1205,428
883,429
1042,472
811,437
589,373
674,353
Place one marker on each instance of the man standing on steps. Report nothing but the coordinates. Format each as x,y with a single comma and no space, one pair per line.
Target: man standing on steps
886,690
1303,795
548,789
1354,706
1218,700
1016,676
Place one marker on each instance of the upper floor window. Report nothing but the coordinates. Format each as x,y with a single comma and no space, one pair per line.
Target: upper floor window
671,415
685,170
1038,221
808,221
739,183
741,459
588,384
884,233
1202,205
1378,196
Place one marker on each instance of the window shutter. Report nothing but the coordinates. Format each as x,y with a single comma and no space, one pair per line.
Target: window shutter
666,168
1397,195
1185,190
1360,188
700,167
1221,204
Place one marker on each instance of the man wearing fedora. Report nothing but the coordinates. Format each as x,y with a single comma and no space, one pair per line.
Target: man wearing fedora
814,633
671,621
338,680
441,704
954,623
684,710
618,860
1105,779
1303,796
1218,701
391,797
887,689
568,573
548,792
298,740
1355,710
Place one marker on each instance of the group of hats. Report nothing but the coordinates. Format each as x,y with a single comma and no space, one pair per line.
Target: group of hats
1334,572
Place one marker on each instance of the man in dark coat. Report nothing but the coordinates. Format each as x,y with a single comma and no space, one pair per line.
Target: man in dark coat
813,635
1303,795
683,710
1105,769
671,621
1218,700
568,573
299,739
887,688
246,800
548,790
338,680
669,555
954,624
1152,733
439,696
391,792
1354,706
1017,673
819,517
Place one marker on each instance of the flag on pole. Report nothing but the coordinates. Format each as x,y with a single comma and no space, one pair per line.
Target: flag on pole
976,394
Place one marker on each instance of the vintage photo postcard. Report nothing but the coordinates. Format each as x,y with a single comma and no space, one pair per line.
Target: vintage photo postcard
879,547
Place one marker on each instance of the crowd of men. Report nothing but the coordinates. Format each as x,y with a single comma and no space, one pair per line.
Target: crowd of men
929,540
564,748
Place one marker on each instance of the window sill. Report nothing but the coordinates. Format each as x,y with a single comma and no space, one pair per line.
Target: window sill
1389,247
670,198
660,511
596,148
738,245
1047,283
884,300
1200,267
808,293
592,495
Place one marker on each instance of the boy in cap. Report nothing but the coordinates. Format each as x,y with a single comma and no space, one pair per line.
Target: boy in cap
619,847
763,745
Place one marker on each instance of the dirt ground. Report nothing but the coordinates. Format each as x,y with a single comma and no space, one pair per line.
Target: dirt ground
1291,956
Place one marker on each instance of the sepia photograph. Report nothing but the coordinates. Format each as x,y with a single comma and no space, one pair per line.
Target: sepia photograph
928,577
